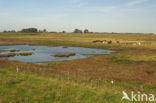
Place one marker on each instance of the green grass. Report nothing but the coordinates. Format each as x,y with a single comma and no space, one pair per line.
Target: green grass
122,60
26,88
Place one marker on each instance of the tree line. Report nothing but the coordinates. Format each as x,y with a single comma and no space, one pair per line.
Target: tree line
35,30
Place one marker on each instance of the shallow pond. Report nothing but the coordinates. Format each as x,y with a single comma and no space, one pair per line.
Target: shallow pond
45,54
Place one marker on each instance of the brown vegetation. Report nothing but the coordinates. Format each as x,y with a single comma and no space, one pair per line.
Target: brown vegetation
8,55
24,54
14,50
65,55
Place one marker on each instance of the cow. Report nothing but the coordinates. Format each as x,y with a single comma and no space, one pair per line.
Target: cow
117,42
147,43
101,41
109,42
104,41
138,43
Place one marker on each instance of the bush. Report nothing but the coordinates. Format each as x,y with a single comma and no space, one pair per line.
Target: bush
30,30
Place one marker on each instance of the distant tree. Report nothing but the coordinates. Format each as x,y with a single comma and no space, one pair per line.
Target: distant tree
86,31
63,31
40,31
52,32
44,30
77,31
4,31
12,31
30,30
80,31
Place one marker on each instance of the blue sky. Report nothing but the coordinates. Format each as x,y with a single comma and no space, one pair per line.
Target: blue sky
96,15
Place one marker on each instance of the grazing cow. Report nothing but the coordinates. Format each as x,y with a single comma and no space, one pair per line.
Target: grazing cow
104,41
148,43
138,43
117,42
109,42
101,41
94,41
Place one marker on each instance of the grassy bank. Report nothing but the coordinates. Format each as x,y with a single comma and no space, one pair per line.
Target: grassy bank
32,88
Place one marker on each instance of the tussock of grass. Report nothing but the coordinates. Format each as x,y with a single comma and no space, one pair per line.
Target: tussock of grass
1,51
14,54
14,50
8,55
65,55
24,54
65,46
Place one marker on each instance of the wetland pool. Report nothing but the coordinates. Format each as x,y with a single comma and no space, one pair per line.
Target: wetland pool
45,54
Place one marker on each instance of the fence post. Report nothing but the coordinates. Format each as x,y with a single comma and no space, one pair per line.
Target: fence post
17,69
68,76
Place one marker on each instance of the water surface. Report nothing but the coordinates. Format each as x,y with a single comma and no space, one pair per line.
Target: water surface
45,54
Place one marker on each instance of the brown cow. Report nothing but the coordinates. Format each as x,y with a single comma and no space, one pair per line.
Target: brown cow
109,42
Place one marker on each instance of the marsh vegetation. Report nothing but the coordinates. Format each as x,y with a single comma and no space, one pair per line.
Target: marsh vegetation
131,68
65,55
24,54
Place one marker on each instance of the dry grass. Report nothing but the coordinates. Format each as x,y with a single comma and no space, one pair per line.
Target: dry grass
65,55
8,55
24,54
14,50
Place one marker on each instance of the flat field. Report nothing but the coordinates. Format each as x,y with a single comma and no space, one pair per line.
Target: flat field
98,79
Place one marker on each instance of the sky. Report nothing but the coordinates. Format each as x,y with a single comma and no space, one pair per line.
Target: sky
135,16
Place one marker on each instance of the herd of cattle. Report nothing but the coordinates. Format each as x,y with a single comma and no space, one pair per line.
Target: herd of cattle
118,42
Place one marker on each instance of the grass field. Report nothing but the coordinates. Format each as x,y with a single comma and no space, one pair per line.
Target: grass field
89,80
